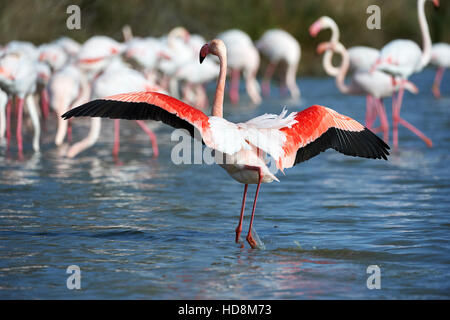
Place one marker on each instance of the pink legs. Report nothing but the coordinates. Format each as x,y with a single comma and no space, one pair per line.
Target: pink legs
152,136
116,138
234,91
267,76
20,102
370,114
437,82
44,103
249,237
383,119
8,122
239,227
396,119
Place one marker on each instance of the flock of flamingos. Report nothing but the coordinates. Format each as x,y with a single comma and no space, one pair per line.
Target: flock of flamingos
148,78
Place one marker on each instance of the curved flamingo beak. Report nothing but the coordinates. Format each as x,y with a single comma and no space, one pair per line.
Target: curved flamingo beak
315,28
204,51
436,3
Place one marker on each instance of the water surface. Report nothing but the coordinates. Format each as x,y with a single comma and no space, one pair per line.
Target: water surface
149,229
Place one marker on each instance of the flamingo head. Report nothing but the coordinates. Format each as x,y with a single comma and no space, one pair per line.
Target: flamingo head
215,47
321,23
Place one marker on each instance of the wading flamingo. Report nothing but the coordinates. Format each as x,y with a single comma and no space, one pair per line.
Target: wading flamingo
440,57
18,77
289,139
376,85
242,56
279,45
402,58
361,58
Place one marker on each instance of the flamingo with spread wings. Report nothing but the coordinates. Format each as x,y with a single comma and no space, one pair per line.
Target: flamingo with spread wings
288,139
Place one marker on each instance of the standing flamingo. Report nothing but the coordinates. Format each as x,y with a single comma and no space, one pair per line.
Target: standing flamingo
112,81
289,139
18,77
279,45
243,56
376,85
403,58
361,58
440,57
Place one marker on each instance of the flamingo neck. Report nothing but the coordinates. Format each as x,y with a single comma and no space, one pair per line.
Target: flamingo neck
345,64
217,109
328,56
426,38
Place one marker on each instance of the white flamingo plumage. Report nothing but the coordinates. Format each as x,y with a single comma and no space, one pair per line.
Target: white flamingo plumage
280,46
402,58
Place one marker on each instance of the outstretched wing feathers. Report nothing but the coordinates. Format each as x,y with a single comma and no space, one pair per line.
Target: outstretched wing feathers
319,128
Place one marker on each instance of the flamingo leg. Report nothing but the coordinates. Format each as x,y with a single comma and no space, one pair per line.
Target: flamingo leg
437,82
239,227
234,91
397,119
249,238
152,136
290,81
419,133
116,138
8,123
396,106
69,130
383,119
20,102
267,77
44,103
369,112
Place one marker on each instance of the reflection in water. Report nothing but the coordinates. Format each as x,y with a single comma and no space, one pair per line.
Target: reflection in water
150,229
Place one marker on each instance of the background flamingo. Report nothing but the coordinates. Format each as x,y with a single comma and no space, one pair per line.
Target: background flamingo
280,46
440,57
403,58
242,57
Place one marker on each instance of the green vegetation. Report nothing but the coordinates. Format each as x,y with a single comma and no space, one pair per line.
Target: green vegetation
43,20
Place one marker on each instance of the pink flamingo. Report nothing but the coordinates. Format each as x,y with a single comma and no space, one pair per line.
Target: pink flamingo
68,87
242,56
361,58
18,76
402,58
376,85
280,46
440,57
112,81
288,139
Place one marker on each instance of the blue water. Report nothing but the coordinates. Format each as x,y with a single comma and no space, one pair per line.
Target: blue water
150,229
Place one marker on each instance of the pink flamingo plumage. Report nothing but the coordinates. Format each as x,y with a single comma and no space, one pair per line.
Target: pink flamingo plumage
289,139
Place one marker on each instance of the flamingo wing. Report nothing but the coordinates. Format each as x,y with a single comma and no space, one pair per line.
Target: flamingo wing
319,128
215,132
144,106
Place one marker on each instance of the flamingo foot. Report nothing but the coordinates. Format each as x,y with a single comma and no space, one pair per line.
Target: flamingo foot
251,241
